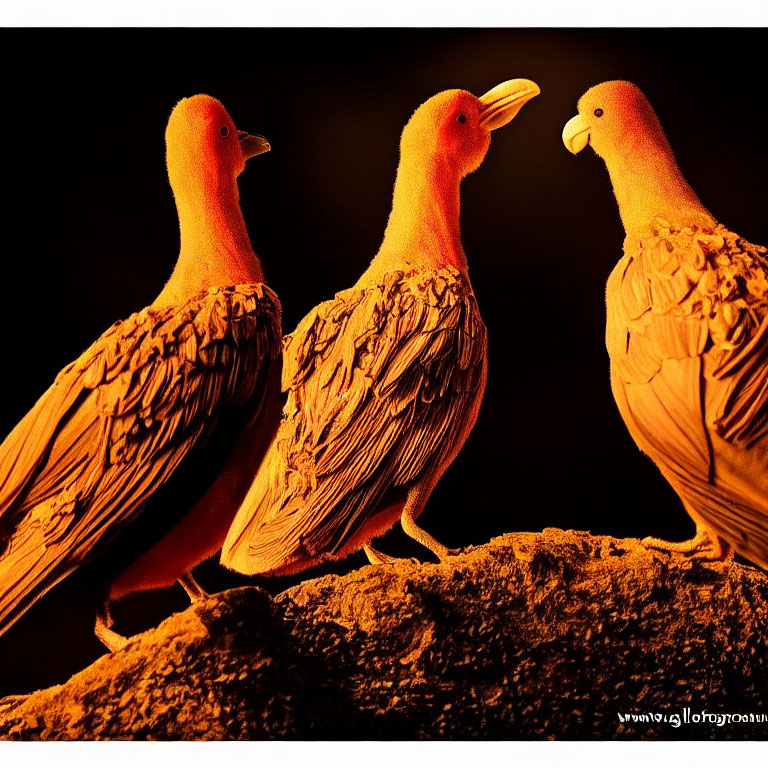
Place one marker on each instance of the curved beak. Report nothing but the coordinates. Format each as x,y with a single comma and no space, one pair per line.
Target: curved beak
576,134
502,103
252,144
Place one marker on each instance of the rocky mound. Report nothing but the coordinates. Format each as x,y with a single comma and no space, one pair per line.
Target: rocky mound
533,635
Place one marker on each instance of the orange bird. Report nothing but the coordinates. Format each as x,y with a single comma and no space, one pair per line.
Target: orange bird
687,330
385,380
199,367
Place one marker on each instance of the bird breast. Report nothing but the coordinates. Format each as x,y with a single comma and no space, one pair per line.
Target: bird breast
678,293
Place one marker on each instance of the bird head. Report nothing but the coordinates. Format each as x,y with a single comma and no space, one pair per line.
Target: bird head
201,139
455,126
616,119
613,117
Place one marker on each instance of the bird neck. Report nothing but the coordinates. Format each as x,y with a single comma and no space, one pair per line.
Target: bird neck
423,227
648,183
215,247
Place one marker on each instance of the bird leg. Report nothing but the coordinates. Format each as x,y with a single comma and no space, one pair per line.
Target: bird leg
193,589
113,640
414,503
705,545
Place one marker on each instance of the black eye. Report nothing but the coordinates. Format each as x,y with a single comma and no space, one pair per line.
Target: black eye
598,112
462,118
224,131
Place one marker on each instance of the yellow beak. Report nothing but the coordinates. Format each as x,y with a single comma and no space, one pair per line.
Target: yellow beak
576,134
252,145
502,103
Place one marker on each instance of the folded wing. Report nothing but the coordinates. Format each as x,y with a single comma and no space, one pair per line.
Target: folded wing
115,425
381,382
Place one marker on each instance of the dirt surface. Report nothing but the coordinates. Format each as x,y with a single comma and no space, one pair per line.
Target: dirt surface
533,635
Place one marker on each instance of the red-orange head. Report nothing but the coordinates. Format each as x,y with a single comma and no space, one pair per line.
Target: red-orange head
203,144
454,127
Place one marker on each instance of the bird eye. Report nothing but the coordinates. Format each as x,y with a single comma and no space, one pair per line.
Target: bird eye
598,112
462,118
224,131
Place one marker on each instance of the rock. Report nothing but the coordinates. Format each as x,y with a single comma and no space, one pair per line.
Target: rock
533,635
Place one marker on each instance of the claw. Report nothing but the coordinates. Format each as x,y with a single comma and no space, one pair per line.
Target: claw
375,557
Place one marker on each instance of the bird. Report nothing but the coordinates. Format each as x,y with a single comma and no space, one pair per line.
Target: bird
384,381
177,402
686,331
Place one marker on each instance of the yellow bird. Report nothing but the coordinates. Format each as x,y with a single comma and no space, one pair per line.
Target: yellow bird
200,365
687,330
384,381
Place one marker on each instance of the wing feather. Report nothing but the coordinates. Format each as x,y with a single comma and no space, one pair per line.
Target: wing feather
115,425
381,384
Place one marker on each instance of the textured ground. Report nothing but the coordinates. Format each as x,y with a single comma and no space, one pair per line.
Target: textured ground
534,635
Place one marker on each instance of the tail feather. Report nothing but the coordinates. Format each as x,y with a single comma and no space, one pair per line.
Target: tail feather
259,502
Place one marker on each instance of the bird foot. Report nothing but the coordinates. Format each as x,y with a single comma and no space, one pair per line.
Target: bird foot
703,546
192,588
443,553
375,557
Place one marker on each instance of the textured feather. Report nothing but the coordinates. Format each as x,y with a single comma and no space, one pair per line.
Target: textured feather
381,385
687,334
115,425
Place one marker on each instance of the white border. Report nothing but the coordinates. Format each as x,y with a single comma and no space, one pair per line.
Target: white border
368,754
394,13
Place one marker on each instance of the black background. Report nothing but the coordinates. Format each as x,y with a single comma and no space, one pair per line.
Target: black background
89,235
